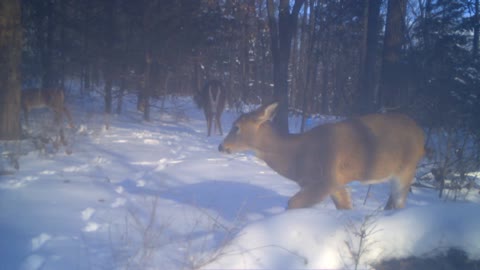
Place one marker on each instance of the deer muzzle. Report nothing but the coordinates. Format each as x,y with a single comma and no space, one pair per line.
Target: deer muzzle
223,149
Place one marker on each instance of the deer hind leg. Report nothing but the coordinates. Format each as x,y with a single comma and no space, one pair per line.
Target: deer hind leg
25,116
214,124
399,189
341,198
209,124
69,116
218,123
306,197
58,116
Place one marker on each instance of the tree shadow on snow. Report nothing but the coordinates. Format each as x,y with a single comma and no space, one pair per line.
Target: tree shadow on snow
231,200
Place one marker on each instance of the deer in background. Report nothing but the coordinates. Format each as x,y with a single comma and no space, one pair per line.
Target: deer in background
52,98
212,100
371,149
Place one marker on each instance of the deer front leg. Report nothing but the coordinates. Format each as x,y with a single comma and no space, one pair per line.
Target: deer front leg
25,116
215,125
69,117
219,124
306,197
341,198
58,117
209,125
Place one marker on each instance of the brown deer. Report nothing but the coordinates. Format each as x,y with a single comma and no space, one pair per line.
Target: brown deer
212,100
52,98
370,149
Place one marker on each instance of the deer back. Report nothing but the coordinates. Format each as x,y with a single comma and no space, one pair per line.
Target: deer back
42,97
368,148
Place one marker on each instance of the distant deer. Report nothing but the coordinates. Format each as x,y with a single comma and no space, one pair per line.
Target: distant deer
212,100
370,149
52,98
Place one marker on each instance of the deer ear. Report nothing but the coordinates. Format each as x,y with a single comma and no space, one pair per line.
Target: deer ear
268,112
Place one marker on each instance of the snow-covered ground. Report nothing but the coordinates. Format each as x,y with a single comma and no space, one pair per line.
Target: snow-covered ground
159,195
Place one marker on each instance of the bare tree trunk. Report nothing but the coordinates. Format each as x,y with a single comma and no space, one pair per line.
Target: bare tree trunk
146,92
85,58
108,54
392,81
62,49
145,95
476,29
125,33
366,89
49,79
10,75
324,89
196,80
281,40
108,93
310,64
121,90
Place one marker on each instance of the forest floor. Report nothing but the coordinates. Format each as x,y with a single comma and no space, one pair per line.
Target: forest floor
158,195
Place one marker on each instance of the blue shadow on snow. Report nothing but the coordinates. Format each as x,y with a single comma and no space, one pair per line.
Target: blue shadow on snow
231,200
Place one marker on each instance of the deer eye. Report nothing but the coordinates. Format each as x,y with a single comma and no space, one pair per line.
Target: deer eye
235,129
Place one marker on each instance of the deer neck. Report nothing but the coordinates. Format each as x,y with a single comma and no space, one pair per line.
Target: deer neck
277,150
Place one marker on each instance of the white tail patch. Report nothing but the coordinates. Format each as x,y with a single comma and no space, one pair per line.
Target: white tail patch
212,99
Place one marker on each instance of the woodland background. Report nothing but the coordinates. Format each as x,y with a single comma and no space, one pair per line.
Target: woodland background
340,57
328,57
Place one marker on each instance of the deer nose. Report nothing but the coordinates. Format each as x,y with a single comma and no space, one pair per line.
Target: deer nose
222,149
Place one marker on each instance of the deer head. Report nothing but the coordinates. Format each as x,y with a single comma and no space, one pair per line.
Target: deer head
246,130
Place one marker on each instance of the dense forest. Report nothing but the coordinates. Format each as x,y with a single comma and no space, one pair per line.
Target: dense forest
342,57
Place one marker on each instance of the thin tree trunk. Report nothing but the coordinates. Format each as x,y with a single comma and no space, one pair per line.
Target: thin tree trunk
392,83
281,40
147,32
108,94
121,90
85,58
146,86
476,29
324,89
48,76
310,65
62,49
366,90
10,75
125,33
108,54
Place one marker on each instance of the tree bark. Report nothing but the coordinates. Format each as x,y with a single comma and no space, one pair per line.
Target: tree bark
10,75
392,80
366,89
476,28
49,79
311,63
85,53
108,54
281,34
145,91
62,46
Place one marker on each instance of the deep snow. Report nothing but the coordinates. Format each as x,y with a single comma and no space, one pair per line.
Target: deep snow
159,195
